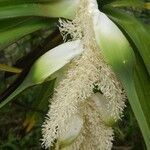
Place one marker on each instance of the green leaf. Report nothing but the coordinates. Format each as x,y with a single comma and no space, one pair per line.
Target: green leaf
59,8
128,3
119,54
47,65
7,68
16,30
142,84
136,30
16,2
6,24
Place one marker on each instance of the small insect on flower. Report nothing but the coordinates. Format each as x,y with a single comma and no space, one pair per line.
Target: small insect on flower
78,118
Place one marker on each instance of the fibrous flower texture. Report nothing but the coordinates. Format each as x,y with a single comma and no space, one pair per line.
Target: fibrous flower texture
78,118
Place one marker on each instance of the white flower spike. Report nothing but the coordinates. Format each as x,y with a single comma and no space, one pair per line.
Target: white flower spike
75,94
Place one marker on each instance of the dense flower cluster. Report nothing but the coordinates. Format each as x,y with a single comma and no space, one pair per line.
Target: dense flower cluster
74,96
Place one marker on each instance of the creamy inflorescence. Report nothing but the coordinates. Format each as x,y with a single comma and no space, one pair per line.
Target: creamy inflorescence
75,95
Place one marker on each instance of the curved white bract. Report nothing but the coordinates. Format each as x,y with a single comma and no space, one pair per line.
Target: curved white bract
73,128
112,42
48,64
54,60
104,109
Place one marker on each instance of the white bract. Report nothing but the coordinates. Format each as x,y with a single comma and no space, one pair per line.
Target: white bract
56,58
72,129
49,64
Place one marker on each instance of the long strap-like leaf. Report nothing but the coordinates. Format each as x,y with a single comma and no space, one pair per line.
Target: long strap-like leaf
14,31
59,8
7,68
129,3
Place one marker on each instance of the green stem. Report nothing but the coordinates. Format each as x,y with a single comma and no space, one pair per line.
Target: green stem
20,89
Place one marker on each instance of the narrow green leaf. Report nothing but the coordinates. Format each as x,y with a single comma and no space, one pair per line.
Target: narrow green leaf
59,8
16,2
16,30
21,10
6,24
7,68
137,108
47,65
142,84
136,30
128,3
